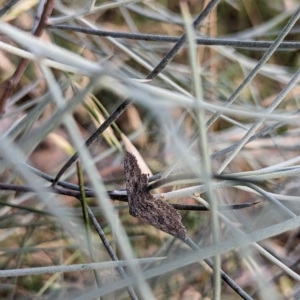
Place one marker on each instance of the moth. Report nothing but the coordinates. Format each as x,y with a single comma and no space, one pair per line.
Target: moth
144,206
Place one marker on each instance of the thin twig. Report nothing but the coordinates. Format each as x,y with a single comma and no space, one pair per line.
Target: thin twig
86,220
111,252
192,178
6,7
75,267
236,43
112,195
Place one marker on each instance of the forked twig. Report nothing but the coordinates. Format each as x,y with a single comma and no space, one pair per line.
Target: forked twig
160,214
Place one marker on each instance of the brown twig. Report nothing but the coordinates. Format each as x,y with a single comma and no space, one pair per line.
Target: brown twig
10,84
